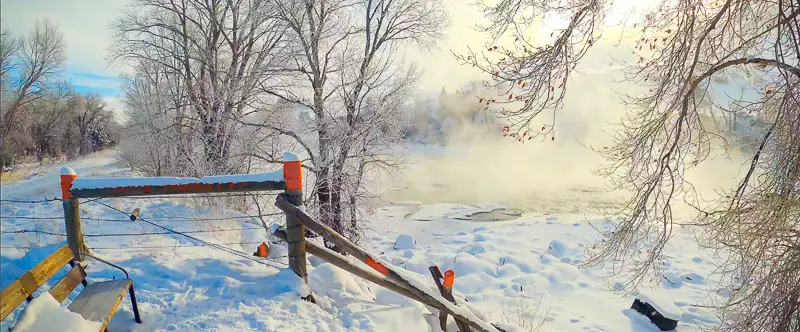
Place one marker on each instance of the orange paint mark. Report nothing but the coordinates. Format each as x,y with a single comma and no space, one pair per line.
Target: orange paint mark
449,278
377,266
293,173
66,185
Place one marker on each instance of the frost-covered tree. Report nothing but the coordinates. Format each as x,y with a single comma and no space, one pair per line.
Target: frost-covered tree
345,68
27,65
216,55
683,50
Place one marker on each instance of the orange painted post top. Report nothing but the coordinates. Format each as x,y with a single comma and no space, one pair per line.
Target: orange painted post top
449,278
292,171
67,176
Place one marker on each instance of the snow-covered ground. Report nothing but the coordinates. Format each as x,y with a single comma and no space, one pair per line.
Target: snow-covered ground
524,271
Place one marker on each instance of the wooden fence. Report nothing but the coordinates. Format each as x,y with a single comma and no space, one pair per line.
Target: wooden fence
290,182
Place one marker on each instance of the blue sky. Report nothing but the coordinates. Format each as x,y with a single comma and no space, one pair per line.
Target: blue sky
84,25
89,82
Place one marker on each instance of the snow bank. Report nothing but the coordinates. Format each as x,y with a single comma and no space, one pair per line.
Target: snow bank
45,314
97,183
560,249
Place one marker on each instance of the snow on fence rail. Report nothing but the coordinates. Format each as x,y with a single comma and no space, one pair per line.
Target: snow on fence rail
289,181
286,179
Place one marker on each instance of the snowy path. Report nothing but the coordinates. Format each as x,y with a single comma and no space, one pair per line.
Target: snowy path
506,269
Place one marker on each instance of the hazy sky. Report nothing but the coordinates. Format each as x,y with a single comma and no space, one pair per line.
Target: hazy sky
85,23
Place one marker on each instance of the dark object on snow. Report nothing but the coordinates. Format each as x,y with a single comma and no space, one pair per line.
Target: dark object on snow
663,323
135,214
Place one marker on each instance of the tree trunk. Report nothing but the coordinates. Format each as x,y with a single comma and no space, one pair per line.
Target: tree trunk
326,187
215,148
84,141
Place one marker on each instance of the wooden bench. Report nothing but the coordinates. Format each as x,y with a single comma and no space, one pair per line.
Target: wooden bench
97,302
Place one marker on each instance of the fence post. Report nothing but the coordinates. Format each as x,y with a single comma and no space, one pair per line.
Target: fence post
72,216
295,231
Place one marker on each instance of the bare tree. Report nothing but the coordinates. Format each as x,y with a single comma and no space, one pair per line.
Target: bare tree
684,48
92,112
343,53
8,49
159,138
217,51
39,58
47,123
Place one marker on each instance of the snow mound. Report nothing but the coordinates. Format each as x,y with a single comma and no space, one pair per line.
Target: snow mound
560,249
405,241
45,314
335,283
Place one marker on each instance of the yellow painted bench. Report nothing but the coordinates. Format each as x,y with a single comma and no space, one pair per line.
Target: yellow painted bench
97,301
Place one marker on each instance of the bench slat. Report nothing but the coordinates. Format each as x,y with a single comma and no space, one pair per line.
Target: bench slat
99,300
68,283
14,294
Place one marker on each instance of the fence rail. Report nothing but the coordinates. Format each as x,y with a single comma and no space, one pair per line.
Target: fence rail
290,201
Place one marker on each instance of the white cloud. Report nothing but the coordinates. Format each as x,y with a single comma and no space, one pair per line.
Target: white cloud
116,105
84,24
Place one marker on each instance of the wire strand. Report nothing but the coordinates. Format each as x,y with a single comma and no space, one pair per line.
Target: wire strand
45,200
29,217
197,196
220,247
24,231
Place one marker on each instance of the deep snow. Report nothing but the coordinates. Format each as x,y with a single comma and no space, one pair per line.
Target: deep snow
45,314
523,271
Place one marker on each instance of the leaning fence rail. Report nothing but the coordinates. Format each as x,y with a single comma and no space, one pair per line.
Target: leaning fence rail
289,182
390,277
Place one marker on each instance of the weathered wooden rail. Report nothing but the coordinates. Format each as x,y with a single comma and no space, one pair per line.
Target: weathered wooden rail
99,301
290,181
390,278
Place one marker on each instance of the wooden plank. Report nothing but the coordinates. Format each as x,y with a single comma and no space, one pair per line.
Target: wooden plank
12,297
447,293
361,254
24,286
340,261
68,283
99,301
192,188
